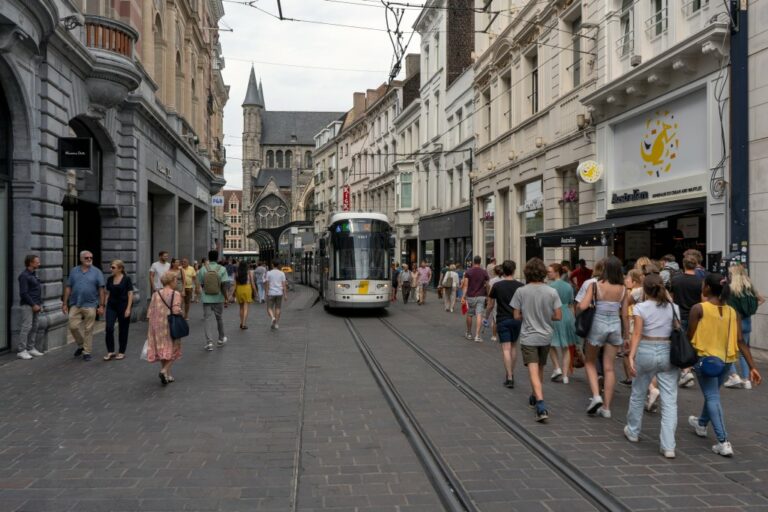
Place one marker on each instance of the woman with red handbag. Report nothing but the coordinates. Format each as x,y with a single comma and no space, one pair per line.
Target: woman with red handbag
714,329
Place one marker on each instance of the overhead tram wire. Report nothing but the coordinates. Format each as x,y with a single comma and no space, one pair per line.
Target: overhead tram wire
306,66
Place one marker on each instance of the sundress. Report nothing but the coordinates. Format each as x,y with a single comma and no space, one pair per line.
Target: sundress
564,333
160,346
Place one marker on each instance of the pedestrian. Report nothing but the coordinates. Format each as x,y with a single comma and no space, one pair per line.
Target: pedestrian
634,283
395,280
649,352
231,272
210,281
609,330
425,277
580,274
490,315
669,269
507,327
715,332
686,291
259,275
415,280
277,291
405,282
491,266
176,269
474,293
745,299
189,278
460,273
156,271
30,304
160,346
119,304
537,306
450,284
564,335
245,289
701,272
84,298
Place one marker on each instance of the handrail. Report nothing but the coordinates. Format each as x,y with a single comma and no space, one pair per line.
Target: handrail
110,35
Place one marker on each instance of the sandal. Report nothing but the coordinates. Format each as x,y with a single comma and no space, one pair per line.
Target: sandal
109,356
163,378
170,379
120,357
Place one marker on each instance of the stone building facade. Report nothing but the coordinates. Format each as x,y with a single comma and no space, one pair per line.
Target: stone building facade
99,70
233,219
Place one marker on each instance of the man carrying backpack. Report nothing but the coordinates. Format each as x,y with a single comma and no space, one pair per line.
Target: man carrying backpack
211,278
671,269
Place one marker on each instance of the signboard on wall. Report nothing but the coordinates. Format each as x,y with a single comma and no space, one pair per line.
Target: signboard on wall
345,198
661,154
75,152
217,201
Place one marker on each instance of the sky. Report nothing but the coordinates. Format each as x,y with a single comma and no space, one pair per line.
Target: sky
361,59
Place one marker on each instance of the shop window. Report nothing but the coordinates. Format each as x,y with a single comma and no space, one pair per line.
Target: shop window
489,213
532,209
569,201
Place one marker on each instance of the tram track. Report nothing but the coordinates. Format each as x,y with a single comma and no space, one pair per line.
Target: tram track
447,484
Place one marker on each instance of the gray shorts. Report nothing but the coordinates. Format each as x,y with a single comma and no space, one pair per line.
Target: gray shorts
606,329
476,306
274,301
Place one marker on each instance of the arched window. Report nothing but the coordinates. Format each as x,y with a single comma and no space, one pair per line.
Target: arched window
289,159
157,32
179,81
270,159
279,159
271,213
308,159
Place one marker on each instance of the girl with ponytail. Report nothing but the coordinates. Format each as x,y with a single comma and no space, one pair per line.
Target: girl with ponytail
714,329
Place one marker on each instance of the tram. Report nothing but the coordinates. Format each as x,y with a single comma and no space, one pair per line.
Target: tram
352,262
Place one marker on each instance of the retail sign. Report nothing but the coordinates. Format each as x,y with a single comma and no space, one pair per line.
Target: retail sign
658,147
531,205
75,152
217,201
635,195
345,198
589,171
659,192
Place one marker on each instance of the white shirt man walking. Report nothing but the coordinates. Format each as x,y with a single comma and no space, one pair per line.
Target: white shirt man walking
277,289
156,271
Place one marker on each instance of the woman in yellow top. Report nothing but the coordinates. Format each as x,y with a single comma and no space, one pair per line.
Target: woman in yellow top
714,329
245,290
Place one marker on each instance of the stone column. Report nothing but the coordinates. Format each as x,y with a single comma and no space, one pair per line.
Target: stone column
186,231
202,233
164,224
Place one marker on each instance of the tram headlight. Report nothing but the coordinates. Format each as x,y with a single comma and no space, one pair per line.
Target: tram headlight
382,285
344,286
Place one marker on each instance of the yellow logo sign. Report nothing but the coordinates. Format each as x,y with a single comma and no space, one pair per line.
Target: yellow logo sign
660,144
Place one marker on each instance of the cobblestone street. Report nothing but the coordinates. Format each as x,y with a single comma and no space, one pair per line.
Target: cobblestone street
294,420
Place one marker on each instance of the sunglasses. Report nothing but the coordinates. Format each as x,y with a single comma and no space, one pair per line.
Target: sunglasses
87,257
113,268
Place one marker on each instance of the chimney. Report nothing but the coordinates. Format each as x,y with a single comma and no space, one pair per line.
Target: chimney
358,103
412,64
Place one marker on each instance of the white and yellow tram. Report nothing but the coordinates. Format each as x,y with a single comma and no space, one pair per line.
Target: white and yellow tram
353,261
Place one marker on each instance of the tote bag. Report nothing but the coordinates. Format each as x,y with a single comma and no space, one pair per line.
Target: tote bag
585,318
178,327
681,352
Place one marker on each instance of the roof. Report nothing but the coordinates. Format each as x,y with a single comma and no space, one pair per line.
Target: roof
228,197
282,177
278,128
254,96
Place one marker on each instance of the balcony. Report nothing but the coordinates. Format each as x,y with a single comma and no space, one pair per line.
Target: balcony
114,74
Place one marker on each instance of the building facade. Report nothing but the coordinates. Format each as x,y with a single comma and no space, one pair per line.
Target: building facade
232,215
140,83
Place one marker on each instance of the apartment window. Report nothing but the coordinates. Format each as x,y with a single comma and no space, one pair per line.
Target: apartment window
626,43
576,66
386,159
658,23
426,120
486,95
437,112
386,121
450,189
406,190
692,6
426,62
506,100
534,96
459,134
437,51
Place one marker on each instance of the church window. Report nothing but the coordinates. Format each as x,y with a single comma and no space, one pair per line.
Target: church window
308,159
279,159
289,159
271,213
270,159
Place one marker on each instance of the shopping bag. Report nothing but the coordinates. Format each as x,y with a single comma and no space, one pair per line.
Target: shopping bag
144,350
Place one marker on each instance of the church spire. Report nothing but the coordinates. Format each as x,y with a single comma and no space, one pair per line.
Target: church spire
261,95
253,97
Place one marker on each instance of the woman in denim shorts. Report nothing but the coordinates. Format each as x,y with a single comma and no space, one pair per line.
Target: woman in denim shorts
609,331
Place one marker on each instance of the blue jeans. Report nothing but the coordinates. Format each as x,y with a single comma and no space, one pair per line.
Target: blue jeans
260,287
743,369
713,409
652,360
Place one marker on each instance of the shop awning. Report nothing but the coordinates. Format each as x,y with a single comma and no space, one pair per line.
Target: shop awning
600,232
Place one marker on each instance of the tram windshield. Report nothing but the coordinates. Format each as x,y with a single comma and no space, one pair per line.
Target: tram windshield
360,250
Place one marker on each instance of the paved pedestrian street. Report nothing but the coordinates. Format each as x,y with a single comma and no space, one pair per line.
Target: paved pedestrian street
295,420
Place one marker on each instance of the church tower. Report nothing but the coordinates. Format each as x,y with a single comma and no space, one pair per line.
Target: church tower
253,106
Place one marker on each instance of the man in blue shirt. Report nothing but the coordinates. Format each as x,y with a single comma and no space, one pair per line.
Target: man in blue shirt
30,302
83,299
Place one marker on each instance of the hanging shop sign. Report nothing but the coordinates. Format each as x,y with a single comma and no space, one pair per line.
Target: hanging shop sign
345,198
531,205
217,201
75,152
589,171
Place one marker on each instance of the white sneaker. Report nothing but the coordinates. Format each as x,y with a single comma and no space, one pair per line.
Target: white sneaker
603,412
725,449
556,374
468,335
668,454
209,347
565,379
222,341
24,355
693,421
686,380
493,338
734,382
631,438
747,384
653,395
36,353
594,404
276,326
478,339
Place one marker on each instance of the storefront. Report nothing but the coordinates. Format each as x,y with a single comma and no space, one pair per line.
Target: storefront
653,181
531,212
445,238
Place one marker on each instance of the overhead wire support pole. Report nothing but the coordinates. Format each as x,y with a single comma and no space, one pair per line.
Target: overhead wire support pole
279,10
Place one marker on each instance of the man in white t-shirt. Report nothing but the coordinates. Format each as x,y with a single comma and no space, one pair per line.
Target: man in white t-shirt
156,271
277,289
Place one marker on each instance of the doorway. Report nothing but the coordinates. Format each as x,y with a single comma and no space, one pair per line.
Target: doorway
5,224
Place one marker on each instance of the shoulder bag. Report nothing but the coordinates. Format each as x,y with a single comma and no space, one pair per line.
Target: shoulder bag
585,318
713,366
681,352
178,327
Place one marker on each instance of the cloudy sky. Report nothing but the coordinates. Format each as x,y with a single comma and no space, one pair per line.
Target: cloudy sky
320,66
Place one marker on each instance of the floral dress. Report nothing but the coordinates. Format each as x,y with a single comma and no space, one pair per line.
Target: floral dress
160,346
